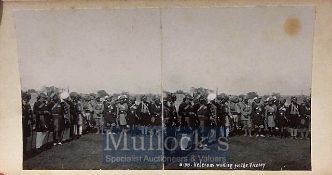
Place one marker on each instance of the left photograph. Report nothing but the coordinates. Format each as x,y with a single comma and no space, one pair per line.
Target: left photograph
91,88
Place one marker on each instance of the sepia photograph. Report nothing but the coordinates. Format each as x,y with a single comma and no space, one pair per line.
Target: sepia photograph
239,80
220,88
90,88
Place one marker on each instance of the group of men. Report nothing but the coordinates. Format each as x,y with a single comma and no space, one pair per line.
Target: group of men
67,116
219,116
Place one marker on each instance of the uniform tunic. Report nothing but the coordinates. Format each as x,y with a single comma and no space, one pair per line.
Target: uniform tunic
202,113
98,113
246,110
143,112
43,116
71,111
222,117
188,115
58,117
270,115
132,116
212,114
26,120
171,122
293,115
170,115
109,113
257,114
88,110
305,113
156,115
281,118
235,112
122,111
79,113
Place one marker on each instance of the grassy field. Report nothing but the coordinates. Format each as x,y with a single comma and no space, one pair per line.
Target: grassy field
86,153
277,154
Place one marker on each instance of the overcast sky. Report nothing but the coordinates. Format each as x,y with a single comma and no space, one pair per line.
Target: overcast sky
233,49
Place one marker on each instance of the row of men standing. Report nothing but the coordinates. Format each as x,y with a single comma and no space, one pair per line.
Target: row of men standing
50,116
127,114
218,117
67,116
210,118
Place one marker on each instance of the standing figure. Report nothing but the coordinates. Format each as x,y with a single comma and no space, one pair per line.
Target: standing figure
258,116
235,116
293,117
58,114
305,113
270,112
42,110
194,121
245,117
144,114
187,113
189,120
76,111
223,118
156,116
27,120
79,112
184,105
122,110
282,120
171,123
98,116
185,131
71,122
212,108
109,114
132,116
67,117
202,113
88,110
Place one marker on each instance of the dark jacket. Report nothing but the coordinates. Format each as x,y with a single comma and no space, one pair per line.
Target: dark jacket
42,111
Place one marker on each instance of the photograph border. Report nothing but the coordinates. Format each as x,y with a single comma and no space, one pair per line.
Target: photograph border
11,154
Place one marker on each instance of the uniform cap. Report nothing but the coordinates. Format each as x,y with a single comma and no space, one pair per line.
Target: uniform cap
64,95
211,96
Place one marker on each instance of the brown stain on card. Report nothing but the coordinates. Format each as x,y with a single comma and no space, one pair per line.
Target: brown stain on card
292,26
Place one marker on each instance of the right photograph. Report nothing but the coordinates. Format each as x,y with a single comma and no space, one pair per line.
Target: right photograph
237,87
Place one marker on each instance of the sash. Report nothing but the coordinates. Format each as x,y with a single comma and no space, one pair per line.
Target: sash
293,110
145,108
